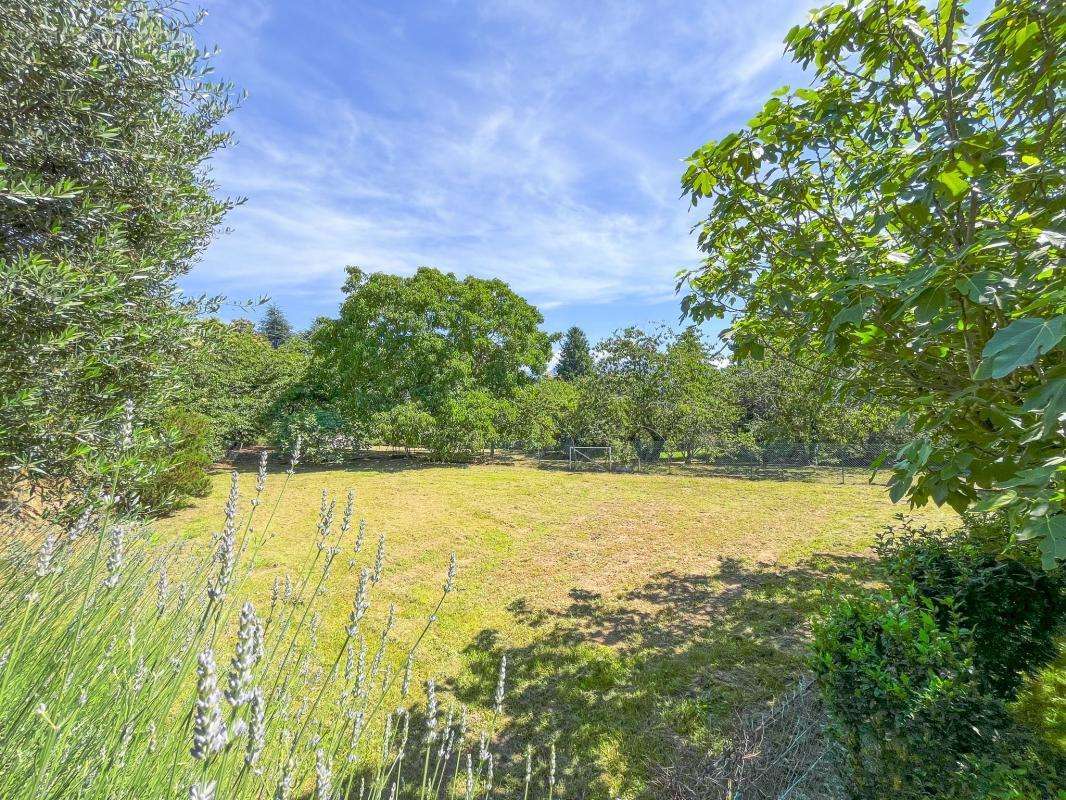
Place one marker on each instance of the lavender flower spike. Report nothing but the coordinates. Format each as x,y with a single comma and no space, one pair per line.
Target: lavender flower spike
209,733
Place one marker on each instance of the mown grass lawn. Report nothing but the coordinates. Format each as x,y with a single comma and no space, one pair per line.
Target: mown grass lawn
640,613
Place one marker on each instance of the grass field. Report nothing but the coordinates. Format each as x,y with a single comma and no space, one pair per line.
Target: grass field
640,613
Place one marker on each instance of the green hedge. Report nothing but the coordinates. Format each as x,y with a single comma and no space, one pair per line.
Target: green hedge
1010,607
917,681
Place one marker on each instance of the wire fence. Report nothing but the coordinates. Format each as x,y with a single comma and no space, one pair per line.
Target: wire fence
868,462
825,462
779,754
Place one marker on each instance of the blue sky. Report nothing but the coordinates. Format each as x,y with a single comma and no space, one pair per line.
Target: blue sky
536,141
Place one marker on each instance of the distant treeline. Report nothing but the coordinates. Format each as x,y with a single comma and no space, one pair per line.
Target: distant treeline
454,367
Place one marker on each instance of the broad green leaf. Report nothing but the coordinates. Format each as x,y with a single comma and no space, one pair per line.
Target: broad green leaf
975,287
1051,531
995,501
918,278
1019,345
1050,400
1037,476
852,314
899,487
954,181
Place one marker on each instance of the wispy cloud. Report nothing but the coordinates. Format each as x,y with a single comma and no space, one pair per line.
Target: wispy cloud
535,141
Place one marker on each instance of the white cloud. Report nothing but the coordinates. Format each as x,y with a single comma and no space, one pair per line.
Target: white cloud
546,149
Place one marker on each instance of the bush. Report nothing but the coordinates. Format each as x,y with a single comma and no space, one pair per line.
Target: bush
1011,608
181,459
406,425
325,437
908,712
1042,703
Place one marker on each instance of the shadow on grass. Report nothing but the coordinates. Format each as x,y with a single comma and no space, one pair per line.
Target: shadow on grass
388,461
800,474
658,676
384,462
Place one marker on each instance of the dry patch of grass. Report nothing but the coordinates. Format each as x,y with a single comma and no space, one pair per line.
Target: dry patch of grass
639,611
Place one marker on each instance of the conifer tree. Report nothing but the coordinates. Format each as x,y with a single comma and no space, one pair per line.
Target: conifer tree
575,360
275,327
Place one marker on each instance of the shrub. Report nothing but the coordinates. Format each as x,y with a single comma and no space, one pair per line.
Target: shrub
1042,703
908,712
406,425
325,436
182,457
1011,609
129,669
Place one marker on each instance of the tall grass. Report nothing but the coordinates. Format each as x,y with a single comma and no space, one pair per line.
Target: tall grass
131,668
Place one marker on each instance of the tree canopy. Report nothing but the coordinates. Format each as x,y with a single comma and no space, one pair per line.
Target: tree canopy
107,120
904,215
238,379
666,391
430,338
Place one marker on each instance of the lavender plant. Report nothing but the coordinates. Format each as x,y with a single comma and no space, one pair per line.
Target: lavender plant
104,695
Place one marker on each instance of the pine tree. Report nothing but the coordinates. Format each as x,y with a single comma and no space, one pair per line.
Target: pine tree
575,360
275,327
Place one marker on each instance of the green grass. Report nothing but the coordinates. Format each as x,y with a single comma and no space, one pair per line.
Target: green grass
640,613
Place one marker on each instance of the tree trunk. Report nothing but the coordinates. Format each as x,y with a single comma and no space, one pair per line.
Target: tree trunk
653,450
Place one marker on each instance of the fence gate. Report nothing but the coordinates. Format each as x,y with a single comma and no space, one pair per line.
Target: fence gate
595,457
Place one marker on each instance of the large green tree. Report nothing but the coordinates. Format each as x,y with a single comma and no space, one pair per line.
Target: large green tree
542,414
432,339
904,215
107,122
633,368
240,381
665,391
795,402
705,409
575,359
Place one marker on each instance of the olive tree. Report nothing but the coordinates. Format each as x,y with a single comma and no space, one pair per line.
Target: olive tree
108,117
